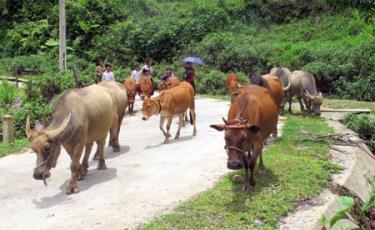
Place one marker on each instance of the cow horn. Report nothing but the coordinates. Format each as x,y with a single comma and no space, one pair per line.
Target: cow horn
320,94
225,121
56,132
239,86
28,130
308,94
286,88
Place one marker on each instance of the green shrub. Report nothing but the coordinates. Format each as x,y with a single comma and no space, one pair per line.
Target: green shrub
364,125
210,82
7,93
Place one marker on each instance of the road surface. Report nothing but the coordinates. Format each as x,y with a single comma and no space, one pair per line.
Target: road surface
144,180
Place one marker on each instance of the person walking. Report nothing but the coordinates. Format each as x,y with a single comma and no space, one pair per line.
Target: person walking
99,70
108,74
168,73
136,74
189,74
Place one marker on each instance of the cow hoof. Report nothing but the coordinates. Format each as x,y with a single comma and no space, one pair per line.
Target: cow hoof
247,187
237,178
262,170
166,141
82,172
73,189
101,165
116,149
176,137
195,133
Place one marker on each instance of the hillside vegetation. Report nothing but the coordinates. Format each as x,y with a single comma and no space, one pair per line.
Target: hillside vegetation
332,39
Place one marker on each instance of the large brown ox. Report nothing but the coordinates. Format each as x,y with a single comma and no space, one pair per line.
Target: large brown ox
251,118
171,102
146,86
120,100
131,88
81,117
168,84
304,87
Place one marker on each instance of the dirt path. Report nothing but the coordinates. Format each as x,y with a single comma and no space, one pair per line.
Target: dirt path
144,180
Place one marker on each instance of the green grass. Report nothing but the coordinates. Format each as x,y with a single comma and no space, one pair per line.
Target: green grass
295,170
15,147
348,104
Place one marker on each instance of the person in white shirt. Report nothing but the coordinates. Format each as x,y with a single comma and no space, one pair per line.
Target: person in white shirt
148,66
108,74
136,74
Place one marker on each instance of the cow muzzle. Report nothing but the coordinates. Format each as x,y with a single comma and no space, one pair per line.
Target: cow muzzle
234,165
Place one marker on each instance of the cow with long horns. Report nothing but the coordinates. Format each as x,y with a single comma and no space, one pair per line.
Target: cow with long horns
81,117
252,117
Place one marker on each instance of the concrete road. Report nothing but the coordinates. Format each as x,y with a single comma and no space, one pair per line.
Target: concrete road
146,179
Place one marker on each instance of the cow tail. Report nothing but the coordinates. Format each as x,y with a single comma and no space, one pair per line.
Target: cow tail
191,117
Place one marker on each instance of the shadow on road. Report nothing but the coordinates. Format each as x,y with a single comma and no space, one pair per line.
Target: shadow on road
93,177
171,141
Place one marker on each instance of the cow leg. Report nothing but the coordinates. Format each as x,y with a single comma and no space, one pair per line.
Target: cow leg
85,162
290,104
161,125
101,163
75,169
253,160
113,138
261,167
194,117
180,123
301,104
169,123
307,104
247,185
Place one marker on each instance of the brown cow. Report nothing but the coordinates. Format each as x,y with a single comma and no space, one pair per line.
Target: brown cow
251,118
168,84
81,117
131,88
120,100
146,87
171,102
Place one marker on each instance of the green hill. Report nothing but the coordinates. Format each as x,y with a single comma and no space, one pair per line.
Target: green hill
332,39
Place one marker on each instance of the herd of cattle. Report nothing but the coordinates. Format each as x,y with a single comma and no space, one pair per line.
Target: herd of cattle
84,116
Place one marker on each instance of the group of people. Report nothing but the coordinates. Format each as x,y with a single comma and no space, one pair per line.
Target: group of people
104,72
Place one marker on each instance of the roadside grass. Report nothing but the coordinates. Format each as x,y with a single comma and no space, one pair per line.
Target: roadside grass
15,147
296,170
348,104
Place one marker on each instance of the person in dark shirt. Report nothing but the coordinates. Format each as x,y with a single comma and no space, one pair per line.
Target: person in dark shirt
189,74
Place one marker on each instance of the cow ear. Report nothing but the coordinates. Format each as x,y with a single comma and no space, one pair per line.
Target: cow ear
253,128
218,127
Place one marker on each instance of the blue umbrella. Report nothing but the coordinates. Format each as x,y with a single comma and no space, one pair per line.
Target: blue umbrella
195,60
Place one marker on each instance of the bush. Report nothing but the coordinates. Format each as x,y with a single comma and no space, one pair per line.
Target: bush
7,93
364,125
210,82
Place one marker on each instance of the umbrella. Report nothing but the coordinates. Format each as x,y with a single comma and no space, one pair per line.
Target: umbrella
195,60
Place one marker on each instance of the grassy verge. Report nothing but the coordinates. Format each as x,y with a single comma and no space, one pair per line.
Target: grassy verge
17,146
296,170
348,104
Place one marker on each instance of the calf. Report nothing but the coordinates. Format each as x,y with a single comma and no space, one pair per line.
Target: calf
171,102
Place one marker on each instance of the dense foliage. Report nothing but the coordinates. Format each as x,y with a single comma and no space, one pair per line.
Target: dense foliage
364,125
